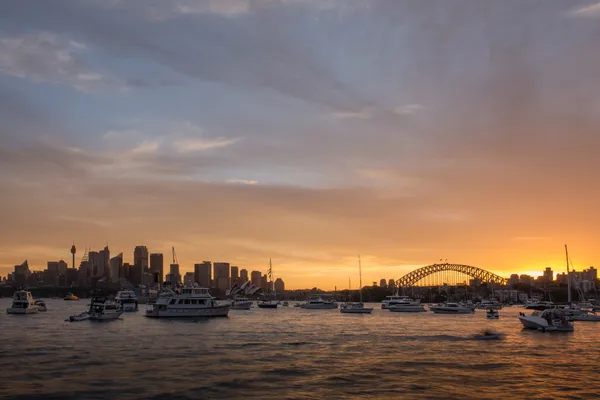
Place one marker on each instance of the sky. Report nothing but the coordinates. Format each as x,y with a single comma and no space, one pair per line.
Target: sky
305,131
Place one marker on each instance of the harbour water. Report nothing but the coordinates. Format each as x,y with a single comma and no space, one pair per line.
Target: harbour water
291,353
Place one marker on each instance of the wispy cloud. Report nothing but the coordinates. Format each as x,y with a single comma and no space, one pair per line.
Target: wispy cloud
408,109
192,145
242,181
590,10
146,147
364,113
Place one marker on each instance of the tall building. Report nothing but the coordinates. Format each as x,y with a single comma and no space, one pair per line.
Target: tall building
382,283
115,267
264,283
156,266
221,274
244,275
391,284
279,285
125,271
513,280
94,259
136,274
174,275
188,279
548,275
202,275
234,275
140,260
255,277
103,270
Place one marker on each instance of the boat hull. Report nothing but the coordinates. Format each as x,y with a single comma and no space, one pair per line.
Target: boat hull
29,310
128,307
326,306
242,306
106,316
267,305
79,317
408,309
451,311
219,311
356,310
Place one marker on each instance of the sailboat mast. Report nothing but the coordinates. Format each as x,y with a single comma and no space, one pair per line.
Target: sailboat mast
360,278
568,276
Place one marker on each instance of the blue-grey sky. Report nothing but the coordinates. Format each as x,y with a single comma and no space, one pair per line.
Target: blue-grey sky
304,130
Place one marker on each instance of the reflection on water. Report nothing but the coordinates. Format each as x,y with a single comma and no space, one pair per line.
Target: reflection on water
291,353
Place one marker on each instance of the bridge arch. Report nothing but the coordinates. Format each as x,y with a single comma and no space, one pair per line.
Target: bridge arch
415,276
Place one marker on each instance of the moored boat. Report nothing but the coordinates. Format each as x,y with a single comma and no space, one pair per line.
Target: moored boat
267,304
102,309
71,296
319,303
241,303
127,300
22,303
549,320
451,308
41,305
191,302
492,314
356,308
407,308
84,316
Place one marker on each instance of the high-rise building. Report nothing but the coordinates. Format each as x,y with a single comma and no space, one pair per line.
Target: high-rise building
156,266
264,283
140,261
392,284
279,285
382,283
548,275
221,274
244,275
255,277
103,270
513,280
174,275
188,279
234,275
94,259
125,271
202,275
136,274
115,267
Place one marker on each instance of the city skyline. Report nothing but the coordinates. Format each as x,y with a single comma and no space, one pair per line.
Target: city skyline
305,131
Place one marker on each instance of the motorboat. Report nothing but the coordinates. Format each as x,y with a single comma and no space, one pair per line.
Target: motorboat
71,296
554,319
451,308
268,304
488,335
489,305
392,300
241,303
285,304
23,303
298,304
319,303
127,300
84,316
41,305
355,308
102,309
191,302
577,314
492,314
539,305
399,307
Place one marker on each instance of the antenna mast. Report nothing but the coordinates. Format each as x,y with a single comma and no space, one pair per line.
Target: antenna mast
568,276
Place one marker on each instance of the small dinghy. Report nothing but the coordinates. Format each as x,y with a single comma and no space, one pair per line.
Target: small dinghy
79,317
492,314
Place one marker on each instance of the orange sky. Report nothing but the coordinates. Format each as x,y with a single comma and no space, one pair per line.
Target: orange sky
406,132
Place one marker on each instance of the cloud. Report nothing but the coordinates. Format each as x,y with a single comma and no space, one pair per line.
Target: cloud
361,114
48,57
145,147
192,145
242,181
590,10
408,109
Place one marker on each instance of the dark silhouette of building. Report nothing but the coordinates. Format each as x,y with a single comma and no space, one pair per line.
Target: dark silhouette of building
256,277
234,275
221,275
244,275
156,266
279,285
202,274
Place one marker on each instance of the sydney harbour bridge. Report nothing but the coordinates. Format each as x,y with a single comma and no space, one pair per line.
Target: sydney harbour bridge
448,274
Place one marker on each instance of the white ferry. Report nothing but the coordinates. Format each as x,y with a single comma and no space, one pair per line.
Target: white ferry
127,300
191,302
319,303
401,300
23,303
102,309
241,303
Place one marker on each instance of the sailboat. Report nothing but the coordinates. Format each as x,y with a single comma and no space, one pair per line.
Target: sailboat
273,303
356,308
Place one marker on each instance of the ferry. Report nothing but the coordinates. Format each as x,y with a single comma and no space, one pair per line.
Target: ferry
190,303
127,300
241,303
451,308
23,303
489,305
102,309
319,303
393,300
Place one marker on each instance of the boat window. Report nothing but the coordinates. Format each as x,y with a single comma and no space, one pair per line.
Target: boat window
173,301
201,301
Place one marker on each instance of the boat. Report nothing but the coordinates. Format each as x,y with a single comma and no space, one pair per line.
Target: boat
399,307
71,296
23,303
489,305
41,305
84,316
356,308
241,303
102,309
539,305
395,299
285,304
319,302
451,308
127,300
585,316
553,319
298,304
489,335
492,314
269,303
191,302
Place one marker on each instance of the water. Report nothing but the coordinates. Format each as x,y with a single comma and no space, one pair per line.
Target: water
291,353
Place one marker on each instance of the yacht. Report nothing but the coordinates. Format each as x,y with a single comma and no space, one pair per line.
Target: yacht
319,303
451,308
489,305
553,319
84,316
492,314
127,300
285,304
102,309
356,308
268,304
392,300
41,305
241,303
538,305
23,303
71,296
192,302
407,307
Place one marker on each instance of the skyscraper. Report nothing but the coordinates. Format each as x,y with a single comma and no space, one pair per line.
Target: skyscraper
264,283
156,266
174,274
234,275
115,267
221,275
202,275
104,263
382,283
279,285
392,284
256,276
243,275
188,279
94,262
140,263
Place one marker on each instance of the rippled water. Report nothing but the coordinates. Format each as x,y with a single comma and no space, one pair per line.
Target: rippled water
291,353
